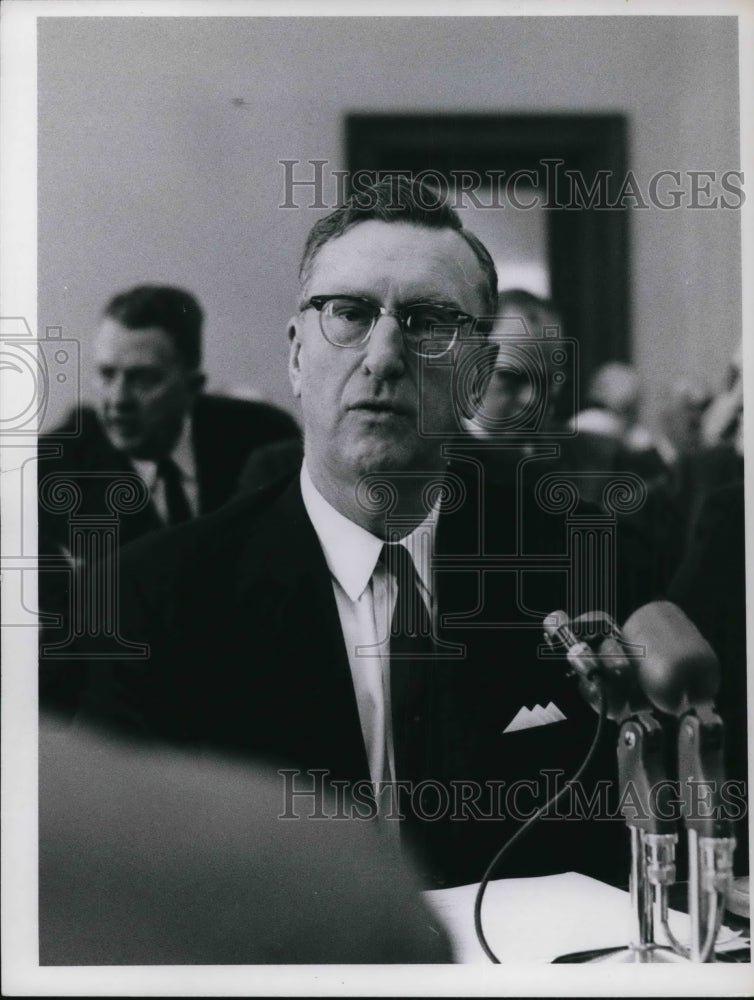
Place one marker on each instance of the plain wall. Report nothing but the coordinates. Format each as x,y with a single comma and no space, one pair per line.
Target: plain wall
149,171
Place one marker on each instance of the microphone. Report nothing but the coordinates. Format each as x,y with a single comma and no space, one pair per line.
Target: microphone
681,675
679,669
608,680
609,669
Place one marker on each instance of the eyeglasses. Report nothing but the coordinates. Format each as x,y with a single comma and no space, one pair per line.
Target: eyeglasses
429,330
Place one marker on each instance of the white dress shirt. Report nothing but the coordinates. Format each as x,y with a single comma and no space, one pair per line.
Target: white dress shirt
365,594
183,456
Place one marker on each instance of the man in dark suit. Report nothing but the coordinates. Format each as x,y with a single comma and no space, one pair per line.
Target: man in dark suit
376,619
156,451
522,432
153,420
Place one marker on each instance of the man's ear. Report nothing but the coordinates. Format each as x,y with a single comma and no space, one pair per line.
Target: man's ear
294,358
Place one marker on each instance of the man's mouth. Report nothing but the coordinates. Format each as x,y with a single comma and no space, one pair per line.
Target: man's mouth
388,407
123,425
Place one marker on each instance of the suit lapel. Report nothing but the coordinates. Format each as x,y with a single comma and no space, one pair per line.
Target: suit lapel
101,458
211,482
284,585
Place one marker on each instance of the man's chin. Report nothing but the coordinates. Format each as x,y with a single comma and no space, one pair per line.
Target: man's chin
129,444
397,456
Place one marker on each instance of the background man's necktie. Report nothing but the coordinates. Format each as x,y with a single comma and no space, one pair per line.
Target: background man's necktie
175,496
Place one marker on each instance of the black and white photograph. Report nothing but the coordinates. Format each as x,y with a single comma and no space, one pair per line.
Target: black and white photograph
372,442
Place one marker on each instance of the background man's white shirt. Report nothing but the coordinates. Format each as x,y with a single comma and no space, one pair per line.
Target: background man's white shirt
183,456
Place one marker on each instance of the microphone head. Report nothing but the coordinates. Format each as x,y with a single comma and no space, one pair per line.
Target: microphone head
606,675
678,668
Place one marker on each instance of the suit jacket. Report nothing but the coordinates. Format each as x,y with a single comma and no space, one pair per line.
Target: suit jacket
710,586
656,527
225,431
246,655
701,473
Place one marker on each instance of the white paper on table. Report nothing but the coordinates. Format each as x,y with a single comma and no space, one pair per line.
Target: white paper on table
534,920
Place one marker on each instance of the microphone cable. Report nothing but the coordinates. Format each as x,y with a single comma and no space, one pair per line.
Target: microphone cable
522,830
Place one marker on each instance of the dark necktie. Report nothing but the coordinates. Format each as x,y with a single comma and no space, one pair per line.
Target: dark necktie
411,668
175,496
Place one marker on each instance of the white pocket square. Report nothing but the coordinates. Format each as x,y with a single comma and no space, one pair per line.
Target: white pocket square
528,718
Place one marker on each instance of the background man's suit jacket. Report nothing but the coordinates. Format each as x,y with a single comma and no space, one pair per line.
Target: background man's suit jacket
246,655
225,431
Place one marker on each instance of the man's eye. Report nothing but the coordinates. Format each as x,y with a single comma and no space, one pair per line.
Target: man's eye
429,317
145,380
350,312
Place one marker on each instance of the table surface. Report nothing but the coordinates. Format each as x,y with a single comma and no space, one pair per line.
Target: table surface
540,920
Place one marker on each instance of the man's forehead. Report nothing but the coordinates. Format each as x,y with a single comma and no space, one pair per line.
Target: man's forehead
116,343
401,257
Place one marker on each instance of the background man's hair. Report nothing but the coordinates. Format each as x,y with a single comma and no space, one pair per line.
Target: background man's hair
173,310
399,199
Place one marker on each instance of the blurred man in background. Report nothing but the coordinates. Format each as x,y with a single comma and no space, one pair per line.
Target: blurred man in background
612,413
162,858
518,385
525,429
153,418
681,417
156,450
719,459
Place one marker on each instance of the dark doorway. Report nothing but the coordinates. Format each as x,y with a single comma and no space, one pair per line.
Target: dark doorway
576,164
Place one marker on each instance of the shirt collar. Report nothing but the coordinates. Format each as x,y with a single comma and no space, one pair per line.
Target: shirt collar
351,552
183,453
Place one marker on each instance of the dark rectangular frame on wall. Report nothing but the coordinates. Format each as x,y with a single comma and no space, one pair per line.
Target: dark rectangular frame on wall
587,240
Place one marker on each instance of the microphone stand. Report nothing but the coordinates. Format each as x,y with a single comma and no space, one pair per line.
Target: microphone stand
681,678
710,843
680,674
641,767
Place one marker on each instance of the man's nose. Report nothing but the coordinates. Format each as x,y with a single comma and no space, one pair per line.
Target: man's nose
120,392
385,356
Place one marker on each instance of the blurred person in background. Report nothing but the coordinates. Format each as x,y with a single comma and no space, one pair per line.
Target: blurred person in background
528,435
520,405
157,857
613,399
722,422
719,459
153,425
517,381
681,420
515,408
152,417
